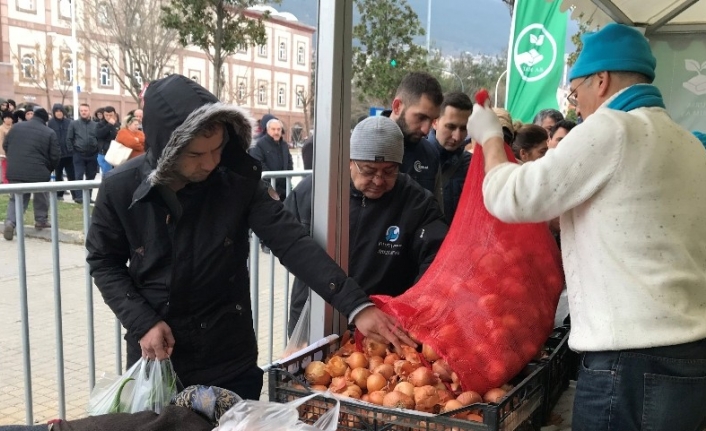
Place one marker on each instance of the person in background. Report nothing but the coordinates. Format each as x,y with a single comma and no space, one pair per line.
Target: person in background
11,105
262,125
308,152
273,153
168,243
106,131
81,140
132,137
29,113
448,135
396,227
559,132
4,129
628,184
547,118
3,106
414,108
98,115
60,125
18,116
530,143
33,153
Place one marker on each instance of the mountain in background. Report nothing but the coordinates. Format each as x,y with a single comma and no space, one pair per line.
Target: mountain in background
476,26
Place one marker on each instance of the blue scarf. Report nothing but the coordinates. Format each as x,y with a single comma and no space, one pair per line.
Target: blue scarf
638,96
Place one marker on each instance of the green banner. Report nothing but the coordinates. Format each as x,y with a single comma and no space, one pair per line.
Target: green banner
535,57
681,77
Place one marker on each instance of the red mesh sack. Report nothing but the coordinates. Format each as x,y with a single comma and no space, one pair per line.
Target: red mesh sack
487,302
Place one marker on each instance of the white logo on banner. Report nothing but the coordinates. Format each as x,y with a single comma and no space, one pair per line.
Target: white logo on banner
531,64
697,84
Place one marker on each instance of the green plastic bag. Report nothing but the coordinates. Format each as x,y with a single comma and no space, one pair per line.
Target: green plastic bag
147,385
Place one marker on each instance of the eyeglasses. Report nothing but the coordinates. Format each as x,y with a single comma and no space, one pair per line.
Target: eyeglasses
386,175
572,96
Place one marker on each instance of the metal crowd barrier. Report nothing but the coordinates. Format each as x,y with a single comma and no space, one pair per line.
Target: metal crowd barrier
51,188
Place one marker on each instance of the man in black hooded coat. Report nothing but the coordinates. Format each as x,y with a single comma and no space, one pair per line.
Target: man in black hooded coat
180,214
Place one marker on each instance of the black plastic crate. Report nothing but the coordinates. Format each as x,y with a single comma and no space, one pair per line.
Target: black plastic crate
520,409
560,367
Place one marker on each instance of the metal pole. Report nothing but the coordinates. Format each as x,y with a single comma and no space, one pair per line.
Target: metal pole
54,220
429,28
286,287
89,296
74,59
255,280
270,338
497,85
118,348
24,311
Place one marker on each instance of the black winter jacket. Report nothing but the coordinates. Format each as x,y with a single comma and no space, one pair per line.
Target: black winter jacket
81,138
188,250
106,132
454,167
392,240
274,156
32,151
61,128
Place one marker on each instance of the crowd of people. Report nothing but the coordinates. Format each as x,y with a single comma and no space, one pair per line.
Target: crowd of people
37,146
623,190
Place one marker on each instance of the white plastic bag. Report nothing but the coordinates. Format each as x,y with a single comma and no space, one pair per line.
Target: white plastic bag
270,416
147,385
300,334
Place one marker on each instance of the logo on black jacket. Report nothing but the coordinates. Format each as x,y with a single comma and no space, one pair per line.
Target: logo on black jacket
392,234
419,167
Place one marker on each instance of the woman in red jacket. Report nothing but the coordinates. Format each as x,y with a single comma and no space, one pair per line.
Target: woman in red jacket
132,137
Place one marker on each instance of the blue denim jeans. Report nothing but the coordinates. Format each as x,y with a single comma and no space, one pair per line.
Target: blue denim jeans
655,389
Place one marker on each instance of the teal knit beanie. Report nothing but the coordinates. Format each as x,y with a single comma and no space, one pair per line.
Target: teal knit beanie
614,48
701,137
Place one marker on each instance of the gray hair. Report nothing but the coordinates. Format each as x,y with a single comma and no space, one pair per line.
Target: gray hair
272,121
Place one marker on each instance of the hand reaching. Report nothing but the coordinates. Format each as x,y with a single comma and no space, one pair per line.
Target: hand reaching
380,327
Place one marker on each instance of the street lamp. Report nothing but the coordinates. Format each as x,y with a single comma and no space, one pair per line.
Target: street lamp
451,72
497,86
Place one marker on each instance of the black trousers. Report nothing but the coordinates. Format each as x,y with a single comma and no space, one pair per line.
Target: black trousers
66,164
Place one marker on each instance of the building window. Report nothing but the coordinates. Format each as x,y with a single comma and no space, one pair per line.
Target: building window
301,54
282,55
262,93
262,50
242,48
102,14
106,79
300,96
27,6
282,95
28,66
68,71
242,90
65,9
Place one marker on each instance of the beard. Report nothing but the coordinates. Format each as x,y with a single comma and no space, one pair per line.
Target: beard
409,136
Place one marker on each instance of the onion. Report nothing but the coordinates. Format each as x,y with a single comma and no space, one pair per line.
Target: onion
336,366
404,368
352,391
442,369
375,382
422,376
365,398
347,348
338,385
425,399
494,395
398,400
440,386
357,360
374,362
429,353
474,417
385,369
377,397
406,388
410,354
315,373
320,388
373,348
452,405
360,377
444,396
392,358
470,397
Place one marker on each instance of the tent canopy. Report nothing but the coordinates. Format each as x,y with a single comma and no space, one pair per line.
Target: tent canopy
655,16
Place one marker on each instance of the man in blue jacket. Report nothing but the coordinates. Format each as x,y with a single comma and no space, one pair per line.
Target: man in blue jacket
60,125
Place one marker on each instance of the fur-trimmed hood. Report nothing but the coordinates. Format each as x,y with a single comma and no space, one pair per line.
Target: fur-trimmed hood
176,110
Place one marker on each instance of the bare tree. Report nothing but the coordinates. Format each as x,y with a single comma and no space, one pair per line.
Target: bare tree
240,89
39,68
306,101
510,4
128,36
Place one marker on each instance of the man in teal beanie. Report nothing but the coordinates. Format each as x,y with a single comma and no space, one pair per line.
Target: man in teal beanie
629,187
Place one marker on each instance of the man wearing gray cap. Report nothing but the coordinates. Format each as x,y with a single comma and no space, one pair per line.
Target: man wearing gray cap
395,227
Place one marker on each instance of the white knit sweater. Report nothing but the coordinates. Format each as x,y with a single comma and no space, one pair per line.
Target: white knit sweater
630,188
